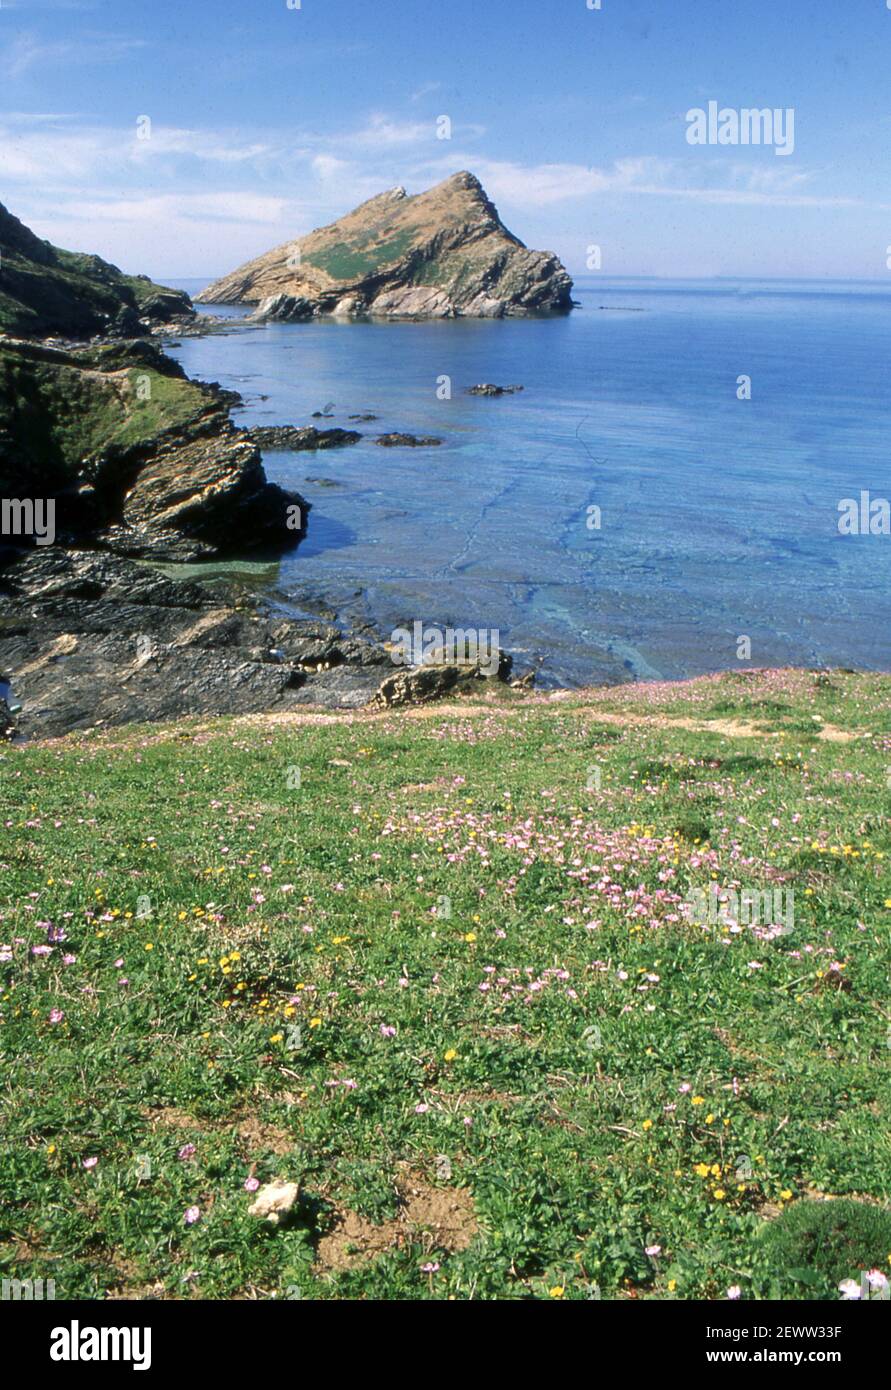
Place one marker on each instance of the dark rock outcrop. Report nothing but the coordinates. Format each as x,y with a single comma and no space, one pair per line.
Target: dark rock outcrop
93,639
419,684
486,388
135,456
443,253
299,437
44,290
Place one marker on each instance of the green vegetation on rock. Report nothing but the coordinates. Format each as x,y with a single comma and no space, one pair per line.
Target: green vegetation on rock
45,290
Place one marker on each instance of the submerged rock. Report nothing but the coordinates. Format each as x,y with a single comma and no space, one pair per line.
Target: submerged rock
409,441
486,388
443,253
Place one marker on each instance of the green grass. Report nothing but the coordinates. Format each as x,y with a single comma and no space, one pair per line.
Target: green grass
627,1081
355,259
63,412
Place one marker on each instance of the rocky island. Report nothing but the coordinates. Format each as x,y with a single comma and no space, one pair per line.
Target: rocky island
444,253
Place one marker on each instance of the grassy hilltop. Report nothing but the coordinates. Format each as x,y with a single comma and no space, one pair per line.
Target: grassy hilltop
444,983
46,290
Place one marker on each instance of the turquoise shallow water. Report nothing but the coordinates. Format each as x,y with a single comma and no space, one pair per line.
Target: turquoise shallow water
718,516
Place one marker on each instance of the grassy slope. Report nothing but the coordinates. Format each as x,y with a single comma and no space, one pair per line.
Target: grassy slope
558,1105
59,413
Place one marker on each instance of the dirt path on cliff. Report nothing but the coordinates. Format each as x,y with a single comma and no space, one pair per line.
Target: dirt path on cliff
303,717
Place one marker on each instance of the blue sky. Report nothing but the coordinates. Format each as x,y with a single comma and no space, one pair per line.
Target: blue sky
267,121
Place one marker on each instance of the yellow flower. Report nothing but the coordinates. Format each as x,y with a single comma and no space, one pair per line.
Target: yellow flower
51,1148
786,1195
710,1119
698,1100
149,946
451,1055
470,936
716,1170
289,1009
702,1170
277,1038
647,1124
315,1023
227,1003
719,1194
672,1285
557,1291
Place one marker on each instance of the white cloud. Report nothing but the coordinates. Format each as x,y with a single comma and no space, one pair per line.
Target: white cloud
26,51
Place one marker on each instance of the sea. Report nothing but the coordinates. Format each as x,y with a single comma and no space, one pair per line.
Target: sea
661,500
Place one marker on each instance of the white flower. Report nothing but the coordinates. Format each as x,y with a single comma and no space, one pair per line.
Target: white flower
734,1291
849,1290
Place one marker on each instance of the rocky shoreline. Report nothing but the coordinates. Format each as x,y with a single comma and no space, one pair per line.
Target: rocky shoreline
132,465
145,467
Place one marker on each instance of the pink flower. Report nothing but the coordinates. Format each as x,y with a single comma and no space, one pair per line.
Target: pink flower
653,1250
68,960
251,1184
387,1030
56,1015
430,1267
191,1215
421,1109
90,1162
734,1291
187,1151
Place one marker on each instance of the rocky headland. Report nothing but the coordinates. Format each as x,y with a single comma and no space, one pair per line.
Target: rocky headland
47,291
136,457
